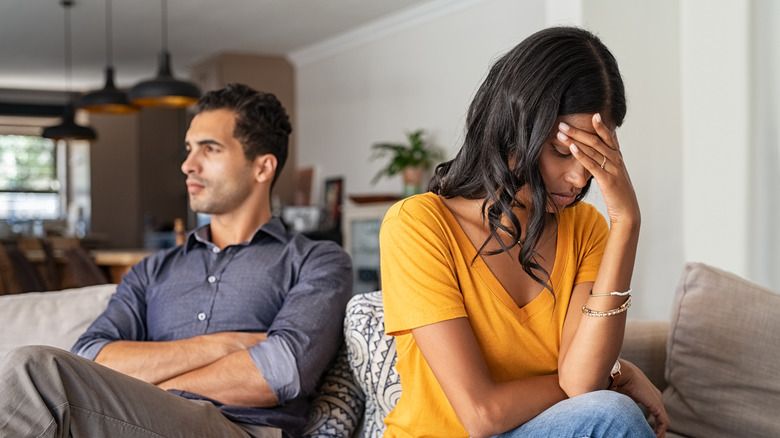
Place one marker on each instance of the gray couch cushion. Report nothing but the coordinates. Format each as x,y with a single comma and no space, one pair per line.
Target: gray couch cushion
723,357
644,345
50,318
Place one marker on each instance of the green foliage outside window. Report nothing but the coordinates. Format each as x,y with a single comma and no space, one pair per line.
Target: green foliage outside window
27,164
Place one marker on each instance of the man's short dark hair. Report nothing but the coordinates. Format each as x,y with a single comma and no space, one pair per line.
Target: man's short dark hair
262,125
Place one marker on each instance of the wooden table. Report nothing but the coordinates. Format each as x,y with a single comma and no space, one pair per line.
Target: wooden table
119,261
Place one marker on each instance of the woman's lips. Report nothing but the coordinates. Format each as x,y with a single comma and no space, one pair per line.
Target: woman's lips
563,200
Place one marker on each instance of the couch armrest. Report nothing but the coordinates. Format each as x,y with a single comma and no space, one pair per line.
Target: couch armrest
644,345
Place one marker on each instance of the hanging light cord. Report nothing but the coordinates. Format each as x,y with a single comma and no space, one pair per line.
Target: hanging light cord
68,76
164,4
109,36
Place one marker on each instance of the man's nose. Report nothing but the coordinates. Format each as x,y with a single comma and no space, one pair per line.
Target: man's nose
188,165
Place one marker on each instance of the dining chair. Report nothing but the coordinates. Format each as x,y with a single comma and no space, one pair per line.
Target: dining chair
83,269
28,279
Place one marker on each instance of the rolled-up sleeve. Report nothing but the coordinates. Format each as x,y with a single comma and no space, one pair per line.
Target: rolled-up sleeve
123,319
307,331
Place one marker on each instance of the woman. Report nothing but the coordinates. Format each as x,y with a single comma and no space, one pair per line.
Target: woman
505,293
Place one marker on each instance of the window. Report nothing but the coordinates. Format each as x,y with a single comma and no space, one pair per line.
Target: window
29,183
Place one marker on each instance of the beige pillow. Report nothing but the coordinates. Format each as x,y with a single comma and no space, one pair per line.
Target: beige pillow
50,318
723,357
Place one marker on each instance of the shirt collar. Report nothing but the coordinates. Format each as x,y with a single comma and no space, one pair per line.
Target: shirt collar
274,228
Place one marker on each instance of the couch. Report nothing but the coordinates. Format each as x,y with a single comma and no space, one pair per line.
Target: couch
717,360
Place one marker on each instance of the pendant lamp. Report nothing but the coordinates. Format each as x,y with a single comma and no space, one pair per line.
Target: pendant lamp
164,90
108,99
68,129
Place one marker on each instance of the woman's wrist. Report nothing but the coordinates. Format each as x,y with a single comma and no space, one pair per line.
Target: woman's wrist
627,225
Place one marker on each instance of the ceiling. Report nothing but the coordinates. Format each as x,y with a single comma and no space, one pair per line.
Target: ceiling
32,48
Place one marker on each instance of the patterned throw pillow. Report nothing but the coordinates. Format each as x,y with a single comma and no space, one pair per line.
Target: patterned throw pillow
362,376
338,404
372,358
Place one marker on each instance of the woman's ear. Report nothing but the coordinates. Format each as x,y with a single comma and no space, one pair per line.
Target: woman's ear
265,168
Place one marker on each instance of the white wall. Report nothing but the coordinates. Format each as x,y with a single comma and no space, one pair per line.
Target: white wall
679,138
765,93
715,49
418,76
644,37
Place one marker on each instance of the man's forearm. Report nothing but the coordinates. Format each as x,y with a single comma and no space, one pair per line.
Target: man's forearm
155,362
232,380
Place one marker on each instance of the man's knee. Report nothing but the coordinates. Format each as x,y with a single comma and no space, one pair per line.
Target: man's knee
29,356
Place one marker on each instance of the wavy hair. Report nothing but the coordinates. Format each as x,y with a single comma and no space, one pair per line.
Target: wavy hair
554,72
262,124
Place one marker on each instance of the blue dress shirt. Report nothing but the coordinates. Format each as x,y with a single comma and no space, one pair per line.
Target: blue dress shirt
278,282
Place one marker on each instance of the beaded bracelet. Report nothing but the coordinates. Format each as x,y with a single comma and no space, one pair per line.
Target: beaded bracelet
611,294
623,307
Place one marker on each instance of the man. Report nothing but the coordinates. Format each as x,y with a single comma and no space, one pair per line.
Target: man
223,336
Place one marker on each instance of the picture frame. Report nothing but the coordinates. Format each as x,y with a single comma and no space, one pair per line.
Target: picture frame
332,202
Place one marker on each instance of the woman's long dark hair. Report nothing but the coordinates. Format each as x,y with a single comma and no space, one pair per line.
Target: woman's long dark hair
554,72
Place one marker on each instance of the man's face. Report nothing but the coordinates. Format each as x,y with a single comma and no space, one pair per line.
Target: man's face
219,177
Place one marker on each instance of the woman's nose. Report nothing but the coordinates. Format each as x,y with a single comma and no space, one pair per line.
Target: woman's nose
578,175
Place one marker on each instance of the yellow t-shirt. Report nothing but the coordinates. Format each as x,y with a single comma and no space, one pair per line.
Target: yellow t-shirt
428,276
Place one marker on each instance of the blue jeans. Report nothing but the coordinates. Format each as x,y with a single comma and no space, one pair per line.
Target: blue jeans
600,414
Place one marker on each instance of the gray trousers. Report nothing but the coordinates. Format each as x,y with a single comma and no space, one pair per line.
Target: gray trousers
48,392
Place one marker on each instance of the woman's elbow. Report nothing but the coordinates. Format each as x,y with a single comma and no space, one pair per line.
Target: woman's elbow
482,420
574,385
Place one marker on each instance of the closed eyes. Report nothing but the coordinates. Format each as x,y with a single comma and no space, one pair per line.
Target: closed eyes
560,154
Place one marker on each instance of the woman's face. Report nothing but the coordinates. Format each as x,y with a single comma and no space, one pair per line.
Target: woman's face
563,176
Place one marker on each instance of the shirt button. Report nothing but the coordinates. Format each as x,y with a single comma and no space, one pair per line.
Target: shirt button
215,250
201,316
212,279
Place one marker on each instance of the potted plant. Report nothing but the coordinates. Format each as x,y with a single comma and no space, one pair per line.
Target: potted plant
410,160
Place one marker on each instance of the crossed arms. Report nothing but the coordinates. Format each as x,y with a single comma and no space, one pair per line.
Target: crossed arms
217,366
265,345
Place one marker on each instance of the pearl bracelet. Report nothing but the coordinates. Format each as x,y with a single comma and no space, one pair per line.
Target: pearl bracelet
623,307
612,294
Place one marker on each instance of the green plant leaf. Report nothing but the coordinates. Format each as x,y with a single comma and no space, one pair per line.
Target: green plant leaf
416,153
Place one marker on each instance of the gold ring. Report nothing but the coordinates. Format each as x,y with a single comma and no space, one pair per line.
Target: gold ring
604,162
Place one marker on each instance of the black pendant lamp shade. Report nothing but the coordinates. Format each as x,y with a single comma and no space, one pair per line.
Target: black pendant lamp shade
68,129
108,99
164,90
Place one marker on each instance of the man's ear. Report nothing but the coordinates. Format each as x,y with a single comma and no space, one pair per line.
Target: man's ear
265,168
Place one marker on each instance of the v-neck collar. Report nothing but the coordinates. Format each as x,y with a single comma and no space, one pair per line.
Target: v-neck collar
544,299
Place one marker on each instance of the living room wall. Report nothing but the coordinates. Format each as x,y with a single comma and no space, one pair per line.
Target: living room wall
418,70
